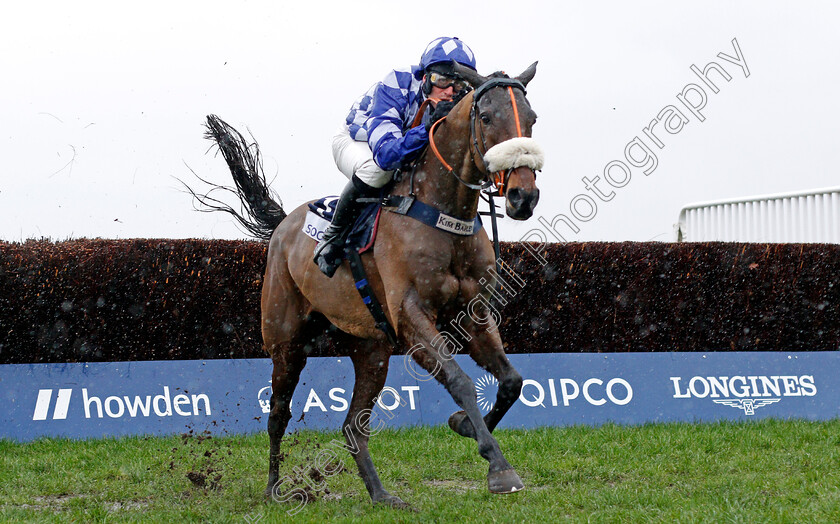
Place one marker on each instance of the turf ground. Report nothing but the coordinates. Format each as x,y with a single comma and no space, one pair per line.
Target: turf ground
767,471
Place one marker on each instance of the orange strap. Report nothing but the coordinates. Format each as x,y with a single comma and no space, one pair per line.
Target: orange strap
419,116
434,147
501,176
515,112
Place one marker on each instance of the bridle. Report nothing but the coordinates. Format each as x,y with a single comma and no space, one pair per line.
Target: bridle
498,184
493,184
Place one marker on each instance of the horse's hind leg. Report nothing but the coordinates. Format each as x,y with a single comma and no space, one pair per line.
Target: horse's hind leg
289,360
286,327
371,366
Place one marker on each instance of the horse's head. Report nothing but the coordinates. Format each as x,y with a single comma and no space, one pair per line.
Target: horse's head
500,126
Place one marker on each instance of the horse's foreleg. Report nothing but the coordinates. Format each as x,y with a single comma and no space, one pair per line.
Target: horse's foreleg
371,370
421,331
289,360
487,351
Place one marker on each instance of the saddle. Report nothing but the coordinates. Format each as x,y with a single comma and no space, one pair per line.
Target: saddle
362,232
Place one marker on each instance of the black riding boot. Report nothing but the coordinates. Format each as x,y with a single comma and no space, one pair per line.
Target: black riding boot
330,250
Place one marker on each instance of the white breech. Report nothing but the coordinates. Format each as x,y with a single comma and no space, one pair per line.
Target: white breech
355,158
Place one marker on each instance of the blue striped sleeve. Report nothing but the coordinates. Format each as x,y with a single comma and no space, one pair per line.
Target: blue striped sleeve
392,105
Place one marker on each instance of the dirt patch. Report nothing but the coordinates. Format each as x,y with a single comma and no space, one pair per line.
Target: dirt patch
205,479
307,487
458,486
201,459
126,505
58,503
49,502
310,480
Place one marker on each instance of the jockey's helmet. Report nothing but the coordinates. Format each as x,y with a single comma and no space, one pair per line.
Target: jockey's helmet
444,50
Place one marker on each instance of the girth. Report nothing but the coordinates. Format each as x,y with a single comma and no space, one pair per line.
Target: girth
431,216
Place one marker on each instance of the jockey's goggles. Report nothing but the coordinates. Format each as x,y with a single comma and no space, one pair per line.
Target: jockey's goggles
444,81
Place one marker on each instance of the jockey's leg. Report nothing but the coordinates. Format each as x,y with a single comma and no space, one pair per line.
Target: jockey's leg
330,251
355,160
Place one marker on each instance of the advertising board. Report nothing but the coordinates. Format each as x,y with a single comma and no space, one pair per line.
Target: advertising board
232,396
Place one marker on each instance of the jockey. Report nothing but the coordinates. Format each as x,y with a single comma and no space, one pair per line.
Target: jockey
377,137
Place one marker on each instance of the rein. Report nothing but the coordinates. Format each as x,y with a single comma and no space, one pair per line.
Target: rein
417,119
443,162
419,116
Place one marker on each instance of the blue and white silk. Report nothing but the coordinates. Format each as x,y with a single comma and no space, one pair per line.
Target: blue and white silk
383,115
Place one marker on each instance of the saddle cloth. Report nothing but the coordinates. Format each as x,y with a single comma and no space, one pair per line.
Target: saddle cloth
363,232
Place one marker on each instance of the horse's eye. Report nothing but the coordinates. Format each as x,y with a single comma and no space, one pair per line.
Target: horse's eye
485,118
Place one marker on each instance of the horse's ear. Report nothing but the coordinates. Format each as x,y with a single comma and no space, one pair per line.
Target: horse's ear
528,74
468,74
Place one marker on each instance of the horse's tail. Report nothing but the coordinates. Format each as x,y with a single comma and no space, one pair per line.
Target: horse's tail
262,210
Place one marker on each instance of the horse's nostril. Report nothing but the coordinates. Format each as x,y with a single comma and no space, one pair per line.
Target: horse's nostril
535,197
515,196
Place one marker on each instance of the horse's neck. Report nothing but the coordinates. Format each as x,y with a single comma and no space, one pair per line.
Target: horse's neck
435,186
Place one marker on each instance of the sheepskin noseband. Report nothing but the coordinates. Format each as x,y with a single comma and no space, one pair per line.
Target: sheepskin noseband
513,153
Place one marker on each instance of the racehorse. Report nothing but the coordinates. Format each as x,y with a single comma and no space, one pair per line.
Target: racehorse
424,276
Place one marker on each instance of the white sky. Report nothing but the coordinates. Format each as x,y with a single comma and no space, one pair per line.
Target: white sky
103,102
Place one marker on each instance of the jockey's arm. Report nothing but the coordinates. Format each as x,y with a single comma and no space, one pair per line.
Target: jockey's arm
385,129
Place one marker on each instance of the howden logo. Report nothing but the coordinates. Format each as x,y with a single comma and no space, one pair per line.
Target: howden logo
163,405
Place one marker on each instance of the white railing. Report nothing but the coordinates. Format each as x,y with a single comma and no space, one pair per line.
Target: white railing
806,216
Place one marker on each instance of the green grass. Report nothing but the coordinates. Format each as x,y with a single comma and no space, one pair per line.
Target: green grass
769,471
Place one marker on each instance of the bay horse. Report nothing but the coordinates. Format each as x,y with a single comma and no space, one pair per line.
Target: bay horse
422,275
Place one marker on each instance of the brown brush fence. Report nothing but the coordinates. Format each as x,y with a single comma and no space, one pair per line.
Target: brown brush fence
116,300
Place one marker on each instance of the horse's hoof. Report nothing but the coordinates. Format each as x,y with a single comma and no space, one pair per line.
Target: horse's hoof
393,502
506,481
460,424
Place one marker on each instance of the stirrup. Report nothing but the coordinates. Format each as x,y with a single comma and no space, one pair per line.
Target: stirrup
320,247
329,256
